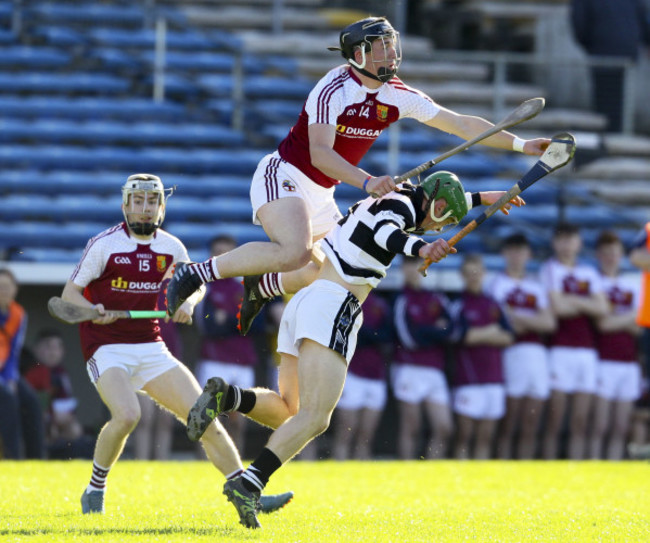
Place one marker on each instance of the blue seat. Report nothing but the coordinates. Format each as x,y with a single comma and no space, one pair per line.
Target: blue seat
187,40
96,83
95,107
208,185
59,36
468,164
60,182
595,215
39,234
115,59
276,87
96,13
26,206
277,112
213,210
205,61
26,57
198,235
48,255
7,37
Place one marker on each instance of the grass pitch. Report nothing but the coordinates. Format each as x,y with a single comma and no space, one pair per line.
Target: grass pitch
336,502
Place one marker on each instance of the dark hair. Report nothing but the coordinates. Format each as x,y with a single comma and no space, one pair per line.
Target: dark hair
227,238
515,240
565,229
472,258
607,237
10,274
47,333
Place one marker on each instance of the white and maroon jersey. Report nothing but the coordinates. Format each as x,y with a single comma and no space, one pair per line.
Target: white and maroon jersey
580,280
623,295
359,114
122,272
524,296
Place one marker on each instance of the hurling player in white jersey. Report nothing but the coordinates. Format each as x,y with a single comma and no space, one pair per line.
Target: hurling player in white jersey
619,373
292,191
318,331
525,364
122,269
577,299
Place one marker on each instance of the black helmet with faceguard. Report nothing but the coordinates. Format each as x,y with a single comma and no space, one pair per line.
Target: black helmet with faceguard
360,35
147,184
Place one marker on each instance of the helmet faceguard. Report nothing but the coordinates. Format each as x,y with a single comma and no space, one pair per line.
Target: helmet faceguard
359,36
447,186
136,201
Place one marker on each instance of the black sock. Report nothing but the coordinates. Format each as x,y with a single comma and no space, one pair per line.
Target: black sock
258,473
239,399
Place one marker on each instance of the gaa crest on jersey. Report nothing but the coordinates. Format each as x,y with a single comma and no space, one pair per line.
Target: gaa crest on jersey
382,113
161,263
288,185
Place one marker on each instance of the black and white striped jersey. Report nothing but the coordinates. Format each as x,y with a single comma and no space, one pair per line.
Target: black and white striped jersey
364,242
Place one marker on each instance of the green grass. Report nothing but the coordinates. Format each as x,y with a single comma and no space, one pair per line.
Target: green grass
336,502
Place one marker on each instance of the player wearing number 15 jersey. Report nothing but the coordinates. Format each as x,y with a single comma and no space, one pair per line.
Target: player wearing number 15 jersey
122,268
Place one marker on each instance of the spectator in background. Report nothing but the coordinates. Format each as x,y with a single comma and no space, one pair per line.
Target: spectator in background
614,29
153,436
224,352
423,326
48,376
640,257
577,299
364,394
619,372
21,418
525,364
482,332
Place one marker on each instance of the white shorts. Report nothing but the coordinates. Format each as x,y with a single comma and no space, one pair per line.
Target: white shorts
417,384
274,178
480,401
324,312
233,374
573,369
141,361
525,367
363,393
619,381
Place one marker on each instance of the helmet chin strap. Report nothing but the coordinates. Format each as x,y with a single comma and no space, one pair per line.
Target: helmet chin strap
383,74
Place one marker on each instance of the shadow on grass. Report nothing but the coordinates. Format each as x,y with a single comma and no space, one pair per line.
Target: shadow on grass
168,530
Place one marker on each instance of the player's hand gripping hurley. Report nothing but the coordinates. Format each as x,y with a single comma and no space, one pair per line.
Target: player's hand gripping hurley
559,153
73,314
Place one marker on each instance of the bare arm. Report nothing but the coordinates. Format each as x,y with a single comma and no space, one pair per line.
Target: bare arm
640,257
570,305
470,126
491,334
624,322
328,161
542,322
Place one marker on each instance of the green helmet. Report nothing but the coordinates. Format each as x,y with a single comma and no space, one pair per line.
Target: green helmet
445,185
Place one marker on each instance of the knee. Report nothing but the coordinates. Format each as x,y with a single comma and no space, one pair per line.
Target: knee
126,420
295,256
317,422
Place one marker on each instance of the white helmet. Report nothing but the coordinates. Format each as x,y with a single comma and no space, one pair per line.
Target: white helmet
147,183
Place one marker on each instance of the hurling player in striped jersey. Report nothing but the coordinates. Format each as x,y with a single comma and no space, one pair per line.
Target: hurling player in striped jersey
318,332
292,192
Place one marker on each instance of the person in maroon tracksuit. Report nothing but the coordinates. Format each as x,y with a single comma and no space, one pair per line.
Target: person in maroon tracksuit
423,325
482,332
